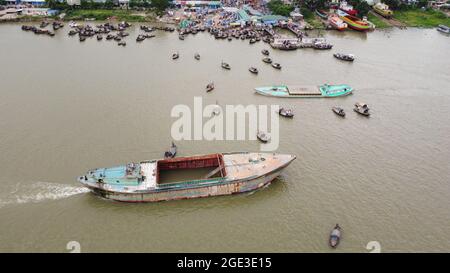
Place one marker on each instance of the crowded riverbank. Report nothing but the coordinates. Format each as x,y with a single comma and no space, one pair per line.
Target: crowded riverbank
304,18
89,104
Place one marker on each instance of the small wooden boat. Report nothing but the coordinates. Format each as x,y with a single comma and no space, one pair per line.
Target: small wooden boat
263,137
225,65
210,87
322,45
82,38
140,38
122,43
443,29
44,24
253,70
362,108
265,52
181,37
252,41
276,65
73,32
175,56
99,37
267,60
345,7
344,57
335,236
338,111
286,112
197,56
171,152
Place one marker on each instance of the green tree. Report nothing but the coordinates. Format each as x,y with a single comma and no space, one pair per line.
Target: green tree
279,8
361,6
393,4
2,2
315,4
160,5
422,3
109,4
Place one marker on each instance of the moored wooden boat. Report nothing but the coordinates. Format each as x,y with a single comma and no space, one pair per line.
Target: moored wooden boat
175,56
322,45
345,7
197,56
355,22
336,22
322,14
215,174
265,52
443,29
322,91
383,10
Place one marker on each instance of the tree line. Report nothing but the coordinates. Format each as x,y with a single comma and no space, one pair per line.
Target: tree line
307,7
158,5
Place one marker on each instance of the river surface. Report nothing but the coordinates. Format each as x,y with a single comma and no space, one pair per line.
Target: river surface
66,107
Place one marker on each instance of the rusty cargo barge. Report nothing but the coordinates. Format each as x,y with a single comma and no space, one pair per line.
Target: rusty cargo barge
186,177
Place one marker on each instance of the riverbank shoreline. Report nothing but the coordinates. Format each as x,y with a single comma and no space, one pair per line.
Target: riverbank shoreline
401,19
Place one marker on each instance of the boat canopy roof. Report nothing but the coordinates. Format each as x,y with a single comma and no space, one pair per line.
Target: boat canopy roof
300,90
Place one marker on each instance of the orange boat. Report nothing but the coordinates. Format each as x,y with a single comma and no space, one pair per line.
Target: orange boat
356,23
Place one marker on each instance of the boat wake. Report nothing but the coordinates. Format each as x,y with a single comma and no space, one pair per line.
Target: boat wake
38,192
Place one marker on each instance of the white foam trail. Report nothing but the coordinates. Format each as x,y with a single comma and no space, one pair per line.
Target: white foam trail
38,192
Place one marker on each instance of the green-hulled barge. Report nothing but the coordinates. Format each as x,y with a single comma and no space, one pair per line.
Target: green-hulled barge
289,91
154,180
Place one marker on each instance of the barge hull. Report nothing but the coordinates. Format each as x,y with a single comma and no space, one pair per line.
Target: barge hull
207,191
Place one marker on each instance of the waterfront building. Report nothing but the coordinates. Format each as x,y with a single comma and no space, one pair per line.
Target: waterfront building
198,4
35,3
73,2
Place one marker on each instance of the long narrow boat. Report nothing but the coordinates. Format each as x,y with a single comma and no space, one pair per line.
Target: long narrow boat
186,177
322,91
322,14
443,29
355,22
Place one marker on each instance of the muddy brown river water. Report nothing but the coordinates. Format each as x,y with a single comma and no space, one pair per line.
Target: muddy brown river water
66,107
